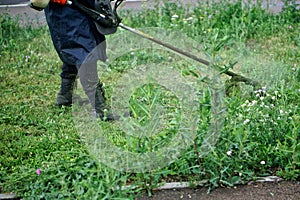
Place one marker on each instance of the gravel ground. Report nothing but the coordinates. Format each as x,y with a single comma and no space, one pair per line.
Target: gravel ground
286,190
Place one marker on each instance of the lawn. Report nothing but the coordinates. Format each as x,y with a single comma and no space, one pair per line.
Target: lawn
190,122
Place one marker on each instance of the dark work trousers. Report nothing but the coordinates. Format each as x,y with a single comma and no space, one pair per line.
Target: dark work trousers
74,37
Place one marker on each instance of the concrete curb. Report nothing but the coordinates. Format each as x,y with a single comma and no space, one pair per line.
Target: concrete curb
14,5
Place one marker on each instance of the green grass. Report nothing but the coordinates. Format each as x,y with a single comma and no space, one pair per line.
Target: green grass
259,131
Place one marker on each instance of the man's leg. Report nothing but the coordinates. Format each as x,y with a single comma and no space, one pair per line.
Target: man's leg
93,88
68,77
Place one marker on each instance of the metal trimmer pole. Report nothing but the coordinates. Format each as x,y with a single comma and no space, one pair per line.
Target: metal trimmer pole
235,77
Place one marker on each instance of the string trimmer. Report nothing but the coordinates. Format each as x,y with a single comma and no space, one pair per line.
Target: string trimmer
107,21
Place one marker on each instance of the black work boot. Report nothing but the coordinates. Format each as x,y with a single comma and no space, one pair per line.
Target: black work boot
93,88
96,96
64,96
101,108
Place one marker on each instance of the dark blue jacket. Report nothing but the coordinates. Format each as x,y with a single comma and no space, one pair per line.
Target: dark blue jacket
73,34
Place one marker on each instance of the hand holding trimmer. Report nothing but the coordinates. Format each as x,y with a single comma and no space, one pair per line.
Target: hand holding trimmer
41,4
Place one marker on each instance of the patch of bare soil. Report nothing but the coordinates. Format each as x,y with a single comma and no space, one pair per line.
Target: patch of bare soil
286,190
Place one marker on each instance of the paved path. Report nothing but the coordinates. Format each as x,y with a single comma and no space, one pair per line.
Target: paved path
12,2
21,9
